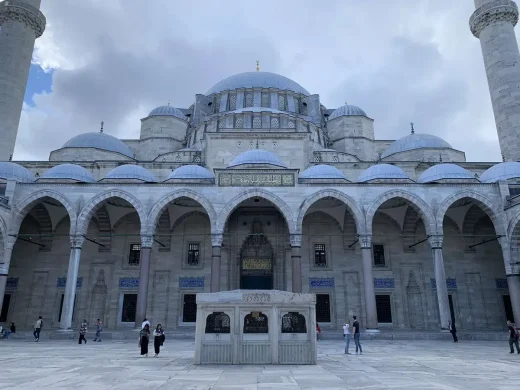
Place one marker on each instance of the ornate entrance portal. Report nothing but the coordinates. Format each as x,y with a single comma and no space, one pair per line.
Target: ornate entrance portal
256,261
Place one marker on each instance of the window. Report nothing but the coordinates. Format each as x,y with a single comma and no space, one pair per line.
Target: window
232,102
507,307
320,257
135,254
5,308
189,309
293,322
217,322
216,104
266,99
281,102
257,122
61,307
322,308
275,123
291,125
193,254
379,255
129,308
256,322
249,99
296,105
384,309
239,122
222,124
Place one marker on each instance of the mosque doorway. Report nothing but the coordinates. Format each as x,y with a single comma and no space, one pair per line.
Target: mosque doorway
256,261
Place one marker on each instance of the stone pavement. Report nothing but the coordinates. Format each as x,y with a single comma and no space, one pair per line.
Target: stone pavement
57,364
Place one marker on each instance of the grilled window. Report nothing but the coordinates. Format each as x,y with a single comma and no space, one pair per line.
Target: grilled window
384,309
135,254
379,255
297,105
291,125
232,102
222,124
322,308
256,322
217,322
275,123
193,254
216,103
257,122
320,256
266,99
239,122
129,308
189,309
282,102
249,99
293,323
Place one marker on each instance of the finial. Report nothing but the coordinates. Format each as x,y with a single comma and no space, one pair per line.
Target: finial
169,102
440,157
257,65
11,157
257,144
503,158
346,103
411,125
102,124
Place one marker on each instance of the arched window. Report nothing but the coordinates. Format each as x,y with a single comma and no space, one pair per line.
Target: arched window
293,322
256,322
217,322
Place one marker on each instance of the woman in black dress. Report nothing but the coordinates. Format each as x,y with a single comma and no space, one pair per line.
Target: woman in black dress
158,339
144,338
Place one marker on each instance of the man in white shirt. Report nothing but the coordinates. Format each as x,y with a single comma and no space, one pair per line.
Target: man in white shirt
346,335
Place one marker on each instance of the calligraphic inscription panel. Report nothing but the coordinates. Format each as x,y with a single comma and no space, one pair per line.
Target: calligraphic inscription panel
256,264
256,180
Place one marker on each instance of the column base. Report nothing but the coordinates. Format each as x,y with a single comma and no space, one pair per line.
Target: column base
372,331
65,330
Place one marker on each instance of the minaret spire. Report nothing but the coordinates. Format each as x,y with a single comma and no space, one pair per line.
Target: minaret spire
257,65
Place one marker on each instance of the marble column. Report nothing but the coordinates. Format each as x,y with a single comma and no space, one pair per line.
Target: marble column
513,284
4,267
144,277
440,279
368,282
512,268
296,259
216,249
76,243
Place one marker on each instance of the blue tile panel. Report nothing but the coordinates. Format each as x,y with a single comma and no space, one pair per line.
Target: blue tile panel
62,282
451,283
501,284
128,282
321,282
12,283
191,282
384,283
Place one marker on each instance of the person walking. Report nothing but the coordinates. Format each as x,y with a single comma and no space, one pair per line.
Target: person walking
99,329
513,337
346,335
355,330
144,338
158,339
82,332
318,332
37,328
453,331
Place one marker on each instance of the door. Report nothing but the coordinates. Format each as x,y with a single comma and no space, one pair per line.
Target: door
508,308
5,308
256,282
452,310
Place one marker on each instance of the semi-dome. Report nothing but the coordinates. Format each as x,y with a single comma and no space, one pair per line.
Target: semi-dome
257,80
257,156
68,172
322,171
99,141
415,141
502,171
444,172
12,171
347,110
382,172
191,172
167,111
131,172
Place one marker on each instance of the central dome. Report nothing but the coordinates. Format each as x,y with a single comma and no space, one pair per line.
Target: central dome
416,141
257,80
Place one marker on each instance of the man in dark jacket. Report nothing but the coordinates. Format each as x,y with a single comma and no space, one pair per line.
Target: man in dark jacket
513,337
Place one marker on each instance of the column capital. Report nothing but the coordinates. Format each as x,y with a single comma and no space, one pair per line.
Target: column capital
296,240
146,240
76,241
365,241
493,12
217,239
20,11
436,241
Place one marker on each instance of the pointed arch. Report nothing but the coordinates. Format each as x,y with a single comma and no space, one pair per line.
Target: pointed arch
128,216
186,216
324,216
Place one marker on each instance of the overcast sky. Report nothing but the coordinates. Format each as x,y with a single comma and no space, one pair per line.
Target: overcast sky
400,60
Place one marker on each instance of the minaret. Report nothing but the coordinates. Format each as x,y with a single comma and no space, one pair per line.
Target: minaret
493,23
21,22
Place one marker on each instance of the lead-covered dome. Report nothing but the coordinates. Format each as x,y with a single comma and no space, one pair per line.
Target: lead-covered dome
257,80
257,156
68,172
382,172
347,110
99,141
322,171
167,111
12,171
191,172
502,171
445,172
131,172
416,141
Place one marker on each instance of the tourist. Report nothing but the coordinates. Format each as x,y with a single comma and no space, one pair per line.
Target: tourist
145,322
99,329
82,332
513,337
37,328
144,338
355,327
346,335
6,332
453,330
318,332
158,339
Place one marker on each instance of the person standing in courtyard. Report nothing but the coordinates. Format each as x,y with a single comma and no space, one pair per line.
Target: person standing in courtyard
513,337
38,328
99,329
453,330
346,335
82,332
144,338
158,339
357,334
145,322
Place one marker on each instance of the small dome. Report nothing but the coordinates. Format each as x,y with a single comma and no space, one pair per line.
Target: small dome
99,141
502,171
257,156
416,141
257,80
69,172
382,172
322,171
131,172
12,171
167,111
347,110
445,171
191,172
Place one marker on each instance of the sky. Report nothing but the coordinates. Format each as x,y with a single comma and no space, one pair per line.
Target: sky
401,61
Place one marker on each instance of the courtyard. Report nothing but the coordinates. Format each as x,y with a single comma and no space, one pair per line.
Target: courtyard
54,364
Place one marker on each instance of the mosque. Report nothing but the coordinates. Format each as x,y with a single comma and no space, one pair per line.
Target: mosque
258,185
